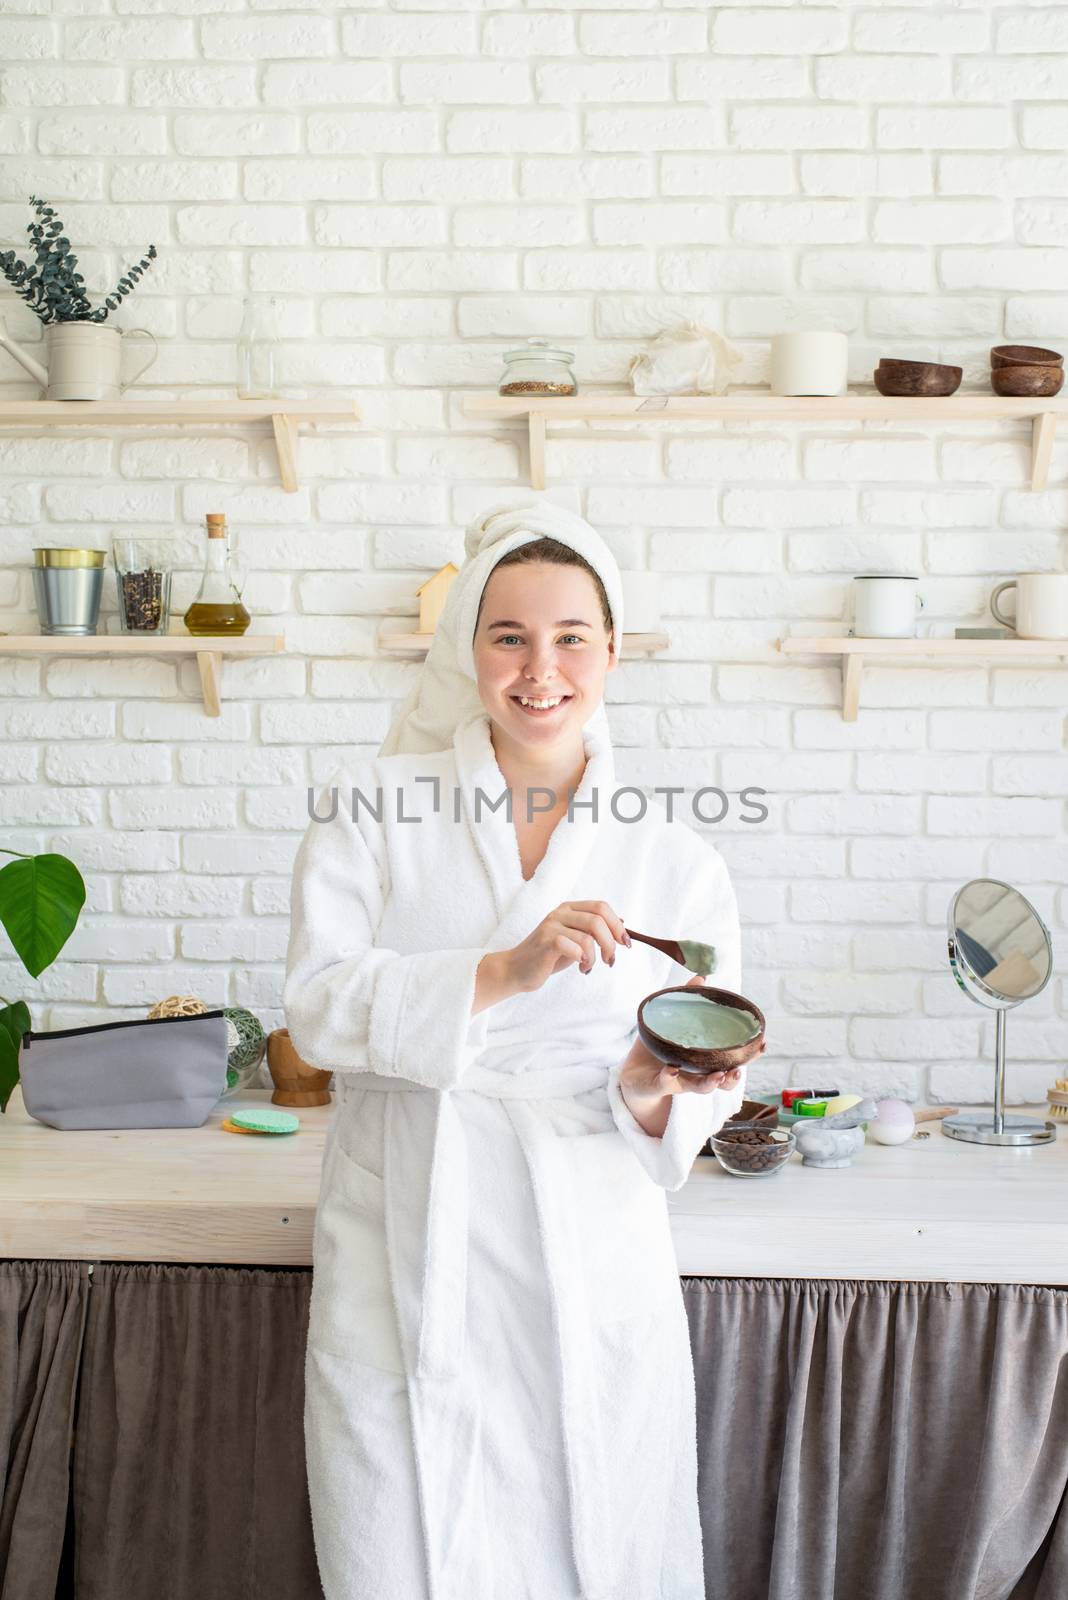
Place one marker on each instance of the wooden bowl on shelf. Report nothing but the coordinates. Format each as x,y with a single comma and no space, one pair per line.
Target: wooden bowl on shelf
1024,355
920,378
1027,382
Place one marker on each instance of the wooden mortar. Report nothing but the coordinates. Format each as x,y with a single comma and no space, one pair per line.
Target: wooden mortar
295,1082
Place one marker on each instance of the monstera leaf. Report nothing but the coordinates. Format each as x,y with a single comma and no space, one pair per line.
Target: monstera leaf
40,898
14,1021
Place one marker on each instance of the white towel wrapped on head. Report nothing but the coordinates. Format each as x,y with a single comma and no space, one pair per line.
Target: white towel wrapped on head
446,693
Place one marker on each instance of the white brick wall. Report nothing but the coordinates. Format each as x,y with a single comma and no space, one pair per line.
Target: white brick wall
424,186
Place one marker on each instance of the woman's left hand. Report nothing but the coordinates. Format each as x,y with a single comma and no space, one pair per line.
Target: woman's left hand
645,1080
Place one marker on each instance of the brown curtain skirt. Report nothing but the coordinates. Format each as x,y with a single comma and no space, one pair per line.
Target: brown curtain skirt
857,1440
881,1441
189,1478
43,1306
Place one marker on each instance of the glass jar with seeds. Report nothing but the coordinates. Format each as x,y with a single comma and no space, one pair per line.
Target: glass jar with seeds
538,368
143,569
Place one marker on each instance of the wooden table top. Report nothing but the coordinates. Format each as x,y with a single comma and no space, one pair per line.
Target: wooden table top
932,1210
935,1209
161,1194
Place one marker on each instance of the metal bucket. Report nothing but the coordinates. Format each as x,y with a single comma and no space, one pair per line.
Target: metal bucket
68,598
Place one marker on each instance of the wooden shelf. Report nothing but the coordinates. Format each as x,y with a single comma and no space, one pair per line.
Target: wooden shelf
854,652
760,406
419,643
285,417
208,650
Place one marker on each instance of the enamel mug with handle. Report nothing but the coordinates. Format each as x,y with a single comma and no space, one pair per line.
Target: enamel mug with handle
1041,605
885,606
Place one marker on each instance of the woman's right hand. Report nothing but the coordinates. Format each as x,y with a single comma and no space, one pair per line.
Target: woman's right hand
574,932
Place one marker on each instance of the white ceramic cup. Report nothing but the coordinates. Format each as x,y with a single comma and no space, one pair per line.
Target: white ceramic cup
641,601
885,606
1041,605
809,363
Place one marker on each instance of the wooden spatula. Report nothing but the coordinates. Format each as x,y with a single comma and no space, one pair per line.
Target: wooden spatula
691,954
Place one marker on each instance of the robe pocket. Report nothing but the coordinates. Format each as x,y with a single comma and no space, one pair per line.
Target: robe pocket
351,1312
624,1246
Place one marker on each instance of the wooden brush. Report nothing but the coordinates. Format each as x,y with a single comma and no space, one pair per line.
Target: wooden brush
1058,1100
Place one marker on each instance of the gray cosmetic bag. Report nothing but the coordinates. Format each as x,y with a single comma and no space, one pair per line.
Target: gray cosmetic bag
168,1072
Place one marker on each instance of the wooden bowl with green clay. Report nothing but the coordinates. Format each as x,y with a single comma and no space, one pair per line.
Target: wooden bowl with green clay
701,1030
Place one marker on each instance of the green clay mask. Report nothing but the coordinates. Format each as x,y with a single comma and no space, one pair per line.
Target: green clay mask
698,957
698,1023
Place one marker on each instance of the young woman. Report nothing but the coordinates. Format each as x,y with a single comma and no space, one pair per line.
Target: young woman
499,1382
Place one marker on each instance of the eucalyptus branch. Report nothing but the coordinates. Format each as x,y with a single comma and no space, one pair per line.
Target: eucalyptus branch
50,285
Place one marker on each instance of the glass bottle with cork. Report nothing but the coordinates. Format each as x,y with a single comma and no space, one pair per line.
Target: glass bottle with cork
217,608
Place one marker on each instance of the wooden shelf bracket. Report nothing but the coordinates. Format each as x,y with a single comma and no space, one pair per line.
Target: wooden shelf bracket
1043,433
286,442
852,671
536,430
210,664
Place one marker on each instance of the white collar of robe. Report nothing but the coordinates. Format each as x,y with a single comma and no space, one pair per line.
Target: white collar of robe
522,905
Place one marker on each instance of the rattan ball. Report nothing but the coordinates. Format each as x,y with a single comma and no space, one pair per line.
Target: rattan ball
177,1005
247,1042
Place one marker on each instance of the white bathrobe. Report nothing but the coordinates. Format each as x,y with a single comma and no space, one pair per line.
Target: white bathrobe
500,1397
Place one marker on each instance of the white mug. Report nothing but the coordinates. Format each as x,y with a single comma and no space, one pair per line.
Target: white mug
885,606
641,601
809,363
1041,605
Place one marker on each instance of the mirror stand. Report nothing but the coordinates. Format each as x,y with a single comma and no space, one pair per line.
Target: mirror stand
1000,954
979,1127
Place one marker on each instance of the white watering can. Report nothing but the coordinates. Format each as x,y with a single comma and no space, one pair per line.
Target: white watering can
84,360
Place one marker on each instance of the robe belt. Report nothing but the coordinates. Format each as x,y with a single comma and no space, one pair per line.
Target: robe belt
426,1213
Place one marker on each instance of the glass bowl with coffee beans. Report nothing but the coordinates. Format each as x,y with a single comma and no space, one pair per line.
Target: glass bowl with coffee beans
143,569
748,1151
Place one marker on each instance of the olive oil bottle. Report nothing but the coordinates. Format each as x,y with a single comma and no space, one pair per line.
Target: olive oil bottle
217,608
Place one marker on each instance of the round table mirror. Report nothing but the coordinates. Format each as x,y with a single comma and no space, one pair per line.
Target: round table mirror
1001,954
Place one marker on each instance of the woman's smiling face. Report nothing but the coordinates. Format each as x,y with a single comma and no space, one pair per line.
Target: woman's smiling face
541,636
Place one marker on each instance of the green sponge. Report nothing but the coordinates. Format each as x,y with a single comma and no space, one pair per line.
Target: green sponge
265,1121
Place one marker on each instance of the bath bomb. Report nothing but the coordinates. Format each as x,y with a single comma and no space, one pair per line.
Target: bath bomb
893,1122
842,1102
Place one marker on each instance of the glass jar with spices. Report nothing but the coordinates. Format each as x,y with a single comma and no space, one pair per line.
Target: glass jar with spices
538,368
143,568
